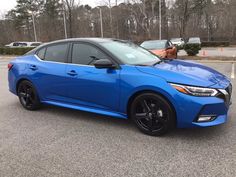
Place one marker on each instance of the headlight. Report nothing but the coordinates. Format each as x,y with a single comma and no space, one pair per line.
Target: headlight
195,91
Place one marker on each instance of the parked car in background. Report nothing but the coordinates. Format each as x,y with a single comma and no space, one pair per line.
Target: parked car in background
194,40
23,44
178,42
162,48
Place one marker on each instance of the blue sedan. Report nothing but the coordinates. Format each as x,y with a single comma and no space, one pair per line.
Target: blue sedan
120,79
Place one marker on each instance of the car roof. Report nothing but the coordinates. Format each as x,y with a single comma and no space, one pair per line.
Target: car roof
194,38
90,40
98,40
176,38
155,41
26,42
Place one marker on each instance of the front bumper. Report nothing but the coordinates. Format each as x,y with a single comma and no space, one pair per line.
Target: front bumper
194,107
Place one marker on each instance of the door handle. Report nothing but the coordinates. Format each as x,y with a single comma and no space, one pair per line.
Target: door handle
72,73
33,67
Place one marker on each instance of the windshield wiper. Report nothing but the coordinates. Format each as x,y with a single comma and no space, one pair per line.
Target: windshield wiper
158,62
141,65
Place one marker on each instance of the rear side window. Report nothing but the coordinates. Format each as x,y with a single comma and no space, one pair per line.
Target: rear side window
41,53
56,53
35,44
86,54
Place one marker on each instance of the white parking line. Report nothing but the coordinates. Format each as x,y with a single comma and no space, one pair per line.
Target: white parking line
232,72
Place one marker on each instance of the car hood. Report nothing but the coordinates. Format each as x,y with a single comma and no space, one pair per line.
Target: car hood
188,73
158,51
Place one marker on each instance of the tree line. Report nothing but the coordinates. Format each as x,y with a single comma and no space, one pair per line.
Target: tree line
136,20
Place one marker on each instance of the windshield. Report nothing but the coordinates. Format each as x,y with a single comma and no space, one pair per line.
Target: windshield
176,39
150,45
194,40
130,53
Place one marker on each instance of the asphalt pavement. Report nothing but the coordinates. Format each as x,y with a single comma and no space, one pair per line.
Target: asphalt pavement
67,143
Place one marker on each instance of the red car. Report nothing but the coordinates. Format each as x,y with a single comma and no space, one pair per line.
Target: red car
162,48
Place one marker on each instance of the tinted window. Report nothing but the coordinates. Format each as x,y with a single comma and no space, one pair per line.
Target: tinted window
56,53
86,54
15,44
22,44
35,44
41,53
169,44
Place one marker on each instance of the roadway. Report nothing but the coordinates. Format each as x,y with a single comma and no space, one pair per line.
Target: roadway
67,143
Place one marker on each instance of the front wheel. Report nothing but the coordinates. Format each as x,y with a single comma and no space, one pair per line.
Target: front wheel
28,96
152,114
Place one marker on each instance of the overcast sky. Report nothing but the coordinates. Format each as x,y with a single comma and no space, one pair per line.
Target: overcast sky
6,5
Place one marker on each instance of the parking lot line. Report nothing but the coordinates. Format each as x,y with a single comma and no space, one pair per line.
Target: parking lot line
232,71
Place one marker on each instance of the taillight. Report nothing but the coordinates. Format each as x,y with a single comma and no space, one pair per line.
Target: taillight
9,66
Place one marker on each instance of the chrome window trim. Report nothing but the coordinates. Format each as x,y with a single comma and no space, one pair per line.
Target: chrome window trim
36,56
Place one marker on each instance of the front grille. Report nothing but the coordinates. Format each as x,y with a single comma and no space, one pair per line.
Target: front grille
229,90
225,94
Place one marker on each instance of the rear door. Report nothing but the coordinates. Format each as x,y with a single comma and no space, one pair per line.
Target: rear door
87,85
49,72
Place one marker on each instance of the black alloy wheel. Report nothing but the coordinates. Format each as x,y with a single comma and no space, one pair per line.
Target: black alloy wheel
152,114
28,96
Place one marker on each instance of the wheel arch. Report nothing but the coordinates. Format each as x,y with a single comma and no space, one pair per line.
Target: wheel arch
134,95
19,81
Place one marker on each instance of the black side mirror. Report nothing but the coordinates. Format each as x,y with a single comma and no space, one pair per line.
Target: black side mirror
104,63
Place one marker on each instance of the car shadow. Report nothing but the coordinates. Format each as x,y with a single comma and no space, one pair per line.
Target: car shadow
88,117
124,124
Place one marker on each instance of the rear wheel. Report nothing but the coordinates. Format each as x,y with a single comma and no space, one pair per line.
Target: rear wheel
152,114
28,95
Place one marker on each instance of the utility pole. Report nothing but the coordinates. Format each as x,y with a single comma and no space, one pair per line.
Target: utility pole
101,22
64,21
64,18
160,20
35,35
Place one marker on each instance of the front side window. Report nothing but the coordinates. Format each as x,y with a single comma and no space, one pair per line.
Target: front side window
169,44
86,54
56,53
35,44
15,44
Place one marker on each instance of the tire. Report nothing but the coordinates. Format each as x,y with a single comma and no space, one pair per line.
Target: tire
152,114
28,96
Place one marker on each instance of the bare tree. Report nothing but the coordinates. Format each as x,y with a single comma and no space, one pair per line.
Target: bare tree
135,20
70,5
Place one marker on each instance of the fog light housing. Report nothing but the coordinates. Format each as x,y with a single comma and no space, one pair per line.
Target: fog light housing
206,118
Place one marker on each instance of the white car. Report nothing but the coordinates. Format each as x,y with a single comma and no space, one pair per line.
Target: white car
178,42
23,44
194,40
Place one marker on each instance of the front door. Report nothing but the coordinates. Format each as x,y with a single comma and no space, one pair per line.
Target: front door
87,85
